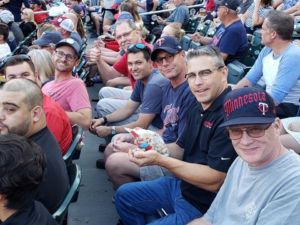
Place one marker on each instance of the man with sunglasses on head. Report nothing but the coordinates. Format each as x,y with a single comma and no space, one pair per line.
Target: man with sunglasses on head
208,153
177,99
126,33
144,106
263,184
147,94
66,90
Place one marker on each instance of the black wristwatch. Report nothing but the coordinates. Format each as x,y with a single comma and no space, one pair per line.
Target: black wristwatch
104,119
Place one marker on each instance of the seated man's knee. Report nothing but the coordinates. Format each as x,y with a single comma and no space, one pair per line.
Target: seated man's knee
105,92
108,150
115,163
103,107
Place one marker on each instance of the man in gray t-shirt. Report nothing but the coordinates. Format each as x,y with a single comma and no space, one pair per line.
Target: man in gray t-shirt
263,184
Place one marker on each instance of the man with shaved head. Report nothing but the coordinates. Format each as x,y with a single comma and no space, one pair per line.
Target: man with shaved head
21,113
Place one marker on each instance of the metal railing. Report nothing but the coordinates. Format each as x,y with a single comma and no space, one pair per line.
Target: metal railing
169,10
144,13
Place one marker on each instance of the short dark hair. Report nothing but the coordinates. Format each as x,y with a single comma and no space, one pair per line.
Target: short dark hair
32,92
282,23
17,60
22,167
134,48
4,31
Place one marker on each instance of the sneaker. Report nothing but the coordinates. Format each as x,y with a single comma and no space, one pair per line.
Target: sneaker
100,164
102,147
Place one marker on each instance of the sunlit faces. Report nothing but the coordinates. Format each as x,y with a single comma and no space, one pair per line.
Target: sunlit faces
208,89
15,115
171,66
126,36
22,70
261,150
138,66
64,59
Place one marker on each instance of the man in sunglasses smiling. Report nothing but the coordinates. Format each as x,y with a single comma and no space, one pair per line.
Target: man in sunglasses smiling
263,184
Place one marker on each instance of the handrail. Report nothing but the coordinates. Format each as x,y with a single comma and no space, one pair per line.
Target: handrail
168,10
144,13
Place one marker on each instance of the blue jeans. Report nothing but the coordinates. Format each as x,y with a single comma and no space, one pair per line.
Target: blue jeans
137,199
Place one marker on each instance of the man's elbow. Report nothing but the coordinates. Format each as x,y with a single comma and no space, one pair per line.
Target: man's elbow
85,123
216,186
85,119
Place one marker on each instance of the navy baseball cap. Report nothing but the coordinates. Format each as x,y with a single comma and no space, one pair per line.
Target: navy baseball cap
71,43
168,44
230,4
48,38
124,16
248,105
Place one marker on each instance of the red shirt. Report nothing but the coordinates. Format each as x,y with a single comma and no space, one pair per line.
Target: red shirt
121,65
40,18
58,123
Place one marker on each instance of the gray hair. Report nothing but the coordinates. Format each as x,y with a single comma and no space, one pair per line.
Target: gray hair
207,51
282,23
130,23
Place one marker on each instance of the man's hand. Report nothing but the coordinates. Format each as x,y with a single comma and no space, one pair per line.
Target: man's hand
144,158
160,20
94,55
96,122
123,138
196,37
121,146
103,131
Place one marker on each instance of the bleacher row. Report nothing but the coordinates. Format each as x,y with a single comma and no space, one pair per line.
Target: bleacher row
74,150
237,70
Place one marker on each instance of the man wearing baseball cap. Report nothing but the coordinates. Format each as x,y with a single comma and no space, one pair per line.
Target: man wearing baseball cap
68,91
230,36
66,28
48,40
263,184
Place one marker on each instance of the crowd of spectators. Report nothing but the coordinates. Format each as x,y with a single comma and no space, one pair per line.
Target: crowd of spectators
232,148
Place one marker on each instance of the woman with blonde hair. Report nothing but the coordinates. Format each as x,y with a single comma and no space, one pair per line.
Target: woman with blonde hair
174,30
43,64
27,25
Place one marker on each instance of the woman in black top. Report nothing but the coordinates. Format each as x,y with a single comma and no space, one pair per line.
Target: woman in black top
27,25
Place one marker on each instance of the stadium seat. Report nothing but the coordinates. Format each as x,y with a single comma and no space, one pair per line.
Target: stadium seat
61,214
195,45
185,42
236,71
203,27
192,25
74,150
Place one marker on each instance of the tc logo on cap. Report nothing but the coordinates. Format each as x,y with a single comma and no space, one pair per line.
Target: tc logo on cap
263,107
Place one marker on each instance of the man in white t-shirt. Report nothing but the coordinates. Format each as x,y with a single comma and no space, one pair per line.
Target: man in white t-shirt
278,64
4,47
